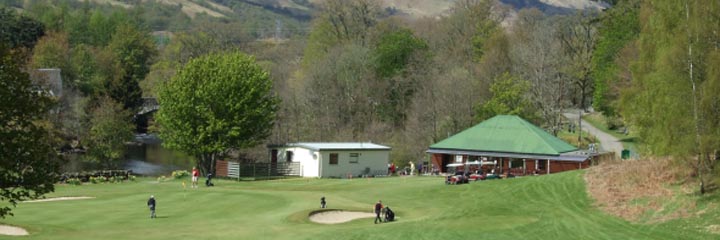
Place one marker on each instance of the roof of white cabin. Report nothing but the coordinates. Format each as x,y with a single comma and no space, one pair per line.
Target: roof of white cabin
338,146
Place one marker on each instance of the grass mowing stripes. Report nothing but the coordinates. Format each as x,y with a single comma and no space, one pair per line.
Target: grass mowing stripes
545,207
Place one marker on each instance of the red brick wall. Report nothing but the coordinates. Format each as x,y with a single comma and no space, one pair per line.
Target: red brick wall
561,166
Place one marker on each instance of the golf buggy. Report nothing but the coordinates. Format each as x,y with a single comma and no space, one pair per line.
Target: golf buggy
459,177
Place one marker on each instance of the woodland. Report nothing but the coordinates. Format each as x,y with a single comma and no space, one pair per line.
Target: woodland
362,71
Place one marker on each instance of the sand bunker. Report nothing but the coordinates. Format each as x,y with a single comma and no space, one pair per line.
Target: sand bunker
338,216
12,231
58,199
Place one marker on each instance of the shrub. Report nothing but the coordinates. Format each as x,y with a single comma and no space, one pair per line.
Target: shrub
161,179
74,181
131,178
114,179
614,123
180,174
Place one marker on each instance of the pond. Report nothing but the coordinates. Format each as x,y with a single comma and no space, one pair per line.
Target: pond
144,156
147,156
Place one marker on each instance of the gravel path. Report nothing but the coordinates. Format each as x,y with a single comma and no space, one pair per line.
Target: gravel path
607,141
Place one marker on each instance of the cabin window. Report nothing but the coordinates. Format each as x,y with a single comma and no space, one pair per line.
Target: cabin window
516,163
289,155
333,159
542,164
354,157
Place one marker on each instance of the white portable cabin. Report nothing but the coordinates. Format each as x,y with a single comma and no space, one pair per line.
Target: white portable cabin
341,160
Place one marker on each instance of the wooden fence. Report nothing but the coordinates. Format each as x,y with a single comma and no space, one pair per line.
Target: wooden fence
235,170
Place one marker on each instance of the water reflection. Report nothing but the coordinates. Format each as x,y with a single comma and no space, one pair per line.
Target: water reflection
147,157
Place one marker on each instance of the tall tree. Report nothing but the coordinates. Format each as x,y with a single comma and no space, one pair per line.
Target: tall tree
510,96
394,51
110,129
214,104
340,22
618,30
668,100
28,163
53,51
19,30
578,35
133,50
537,57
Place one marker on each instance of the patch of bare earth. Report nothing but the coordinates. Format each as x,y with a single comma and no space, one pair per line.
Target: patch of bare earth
12,231
338,216
632,189
715,229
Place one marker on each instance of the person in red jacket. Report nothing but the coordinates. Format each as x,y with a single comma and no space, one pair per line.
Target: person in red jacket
195,175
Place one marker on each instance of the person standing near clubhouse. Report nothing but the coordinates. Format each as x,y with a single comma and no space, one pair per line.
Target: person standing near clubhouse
151,204
195,175
378,209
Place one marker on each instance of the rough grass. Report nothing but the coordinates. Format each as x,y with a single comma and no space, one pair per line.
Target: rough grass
647,190
572,138
553,206
598,121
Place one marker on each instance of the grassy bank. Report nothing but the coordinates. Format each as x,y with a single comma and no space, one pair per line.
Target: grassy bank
546,207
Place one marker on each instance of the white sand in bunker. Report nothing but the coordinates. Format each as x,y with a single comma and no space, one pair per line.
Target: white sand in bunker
58,199
12,231
338,216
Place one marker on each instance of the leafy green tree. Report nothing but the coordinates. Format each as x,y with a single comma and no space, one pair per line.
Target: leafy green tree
109,131
53,51
672,99
509,97
619,27
29,165
214,104
394,50
19,30
133,50
85,67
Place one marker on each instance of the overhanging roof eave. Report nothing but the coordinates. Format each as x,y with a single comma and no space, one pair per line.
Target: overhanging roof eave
560,157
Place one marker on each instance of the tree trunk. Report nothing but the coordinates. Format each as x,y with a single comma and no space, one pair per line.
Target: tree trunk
206,163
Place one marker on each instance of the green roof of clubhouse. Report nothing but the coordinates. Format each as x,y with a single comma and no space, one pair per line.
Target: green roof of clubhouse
506,134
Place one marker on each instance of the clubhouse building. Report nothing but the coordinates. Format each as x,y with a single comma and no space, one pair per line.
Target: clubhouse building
508,144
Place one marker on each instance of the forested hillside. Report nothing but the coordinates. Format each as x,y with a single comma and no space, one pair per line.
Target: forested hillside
403,73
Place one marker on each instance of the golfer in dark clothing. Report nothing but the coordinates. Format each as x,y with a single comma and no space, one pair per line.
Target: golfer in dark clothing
322,202
378,209
151,205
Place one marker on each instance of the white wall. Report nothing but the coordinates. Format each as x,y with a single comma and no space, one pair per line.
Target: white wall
309,165
319,166
376,160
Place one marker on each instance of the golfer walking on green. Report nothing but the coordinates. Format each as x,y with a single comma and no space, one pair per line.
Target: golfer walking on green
151,205
378,209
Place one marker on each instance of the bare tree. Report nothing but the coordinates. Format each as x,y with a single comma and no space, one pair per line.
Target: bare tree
537,56
578,35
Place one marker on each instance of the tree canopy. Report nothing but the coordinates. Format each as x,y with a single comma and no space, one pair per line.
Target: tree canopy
28,163
214,104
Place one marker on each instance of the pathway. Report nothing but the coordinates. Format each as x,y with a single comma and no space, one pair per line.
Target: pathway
607,141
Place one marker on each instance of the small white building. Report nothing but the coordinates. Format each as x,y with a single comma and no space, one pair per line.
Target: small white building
334,159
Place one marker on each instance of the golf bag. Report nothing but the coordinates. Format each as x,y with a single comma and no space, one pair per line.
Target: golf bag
208,181
389,215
